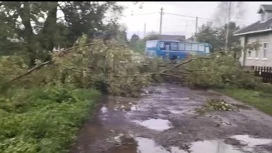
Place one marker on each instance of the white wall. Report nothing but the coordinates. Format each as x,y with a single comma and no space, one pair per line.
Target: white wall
260,60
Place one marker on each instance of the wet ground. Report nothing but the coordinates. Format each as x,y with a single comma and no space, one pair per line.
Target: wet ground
164,120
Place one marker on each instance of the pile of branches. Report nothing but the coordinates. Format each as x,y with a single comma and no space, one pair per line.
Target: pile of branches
115,69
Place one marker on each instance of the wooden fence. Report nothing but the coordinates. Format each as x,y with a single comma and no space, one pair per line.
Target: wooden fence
264,72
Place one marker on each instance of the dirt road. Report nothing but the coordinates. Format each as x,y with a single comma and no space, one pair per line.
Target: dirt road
165,121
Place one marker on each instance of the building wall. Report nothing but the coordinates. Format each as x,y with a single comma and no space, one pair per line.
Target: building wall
259,59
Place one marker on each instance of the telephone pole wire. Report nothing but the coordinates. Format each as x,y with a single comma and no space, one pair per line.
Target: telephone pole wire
161,21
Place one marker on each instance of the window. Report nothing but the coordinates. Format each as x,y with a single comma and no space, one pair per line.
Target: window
174,46
249,53
201,47
162,45
207,49
264,50
188,46
181,46
194,47
256,53
151,44
262,17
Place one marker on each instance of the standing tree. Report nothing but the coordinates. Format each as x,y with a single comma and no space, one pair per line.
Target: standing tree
207,34
227,12
133,40
33,26
24,26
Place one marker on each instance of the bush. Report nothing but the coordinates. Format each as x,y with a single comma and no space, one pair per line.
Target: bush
42,119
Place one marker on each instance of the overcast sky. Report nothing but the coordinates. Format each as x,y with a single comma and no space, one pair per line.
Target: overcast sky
173,24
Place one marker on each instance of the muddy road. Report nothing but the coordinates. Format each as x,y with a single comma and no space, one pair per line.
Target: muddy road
164,120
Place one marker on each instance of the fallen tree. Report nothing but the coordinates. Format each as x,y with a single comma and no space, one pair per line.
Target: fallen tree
114,69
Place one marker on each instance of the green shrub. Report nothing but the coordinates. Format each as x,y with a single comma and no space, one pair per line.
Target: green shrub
43,119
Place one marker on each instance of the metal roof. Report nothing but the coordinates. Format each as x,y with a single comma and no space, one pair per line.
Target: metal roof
265,7
171,37
258,26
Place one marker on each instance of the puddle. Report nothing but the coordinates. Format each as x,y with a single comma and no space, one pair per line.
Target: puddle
120,103
149,146
104,109
251,141
143,145
155,124
213,146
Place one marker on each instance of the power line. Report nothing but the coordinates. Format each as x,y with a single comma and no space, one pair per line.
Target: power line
209,19
187,16
140,14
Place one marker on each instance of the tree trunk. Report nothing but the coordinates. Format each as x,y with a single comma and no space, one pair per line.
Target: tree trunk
47,36
28,32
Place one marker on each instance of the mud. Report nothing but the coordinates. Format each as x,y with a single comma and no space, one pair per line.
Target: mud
164,120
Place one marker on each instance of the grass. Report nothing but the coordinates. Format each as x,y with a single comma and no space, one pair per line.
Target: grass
43,120
256,98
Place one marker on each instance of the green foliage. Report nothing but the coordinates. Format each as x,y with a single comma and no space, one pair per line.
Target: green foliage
11,66
217,37
112,68
36,38
219,70
42,119
265,87
215,105
133,40
138,45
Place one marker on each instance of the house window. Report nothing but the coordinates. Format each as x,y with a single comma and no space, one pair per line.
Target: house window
264,50
256,53
262,17
249,53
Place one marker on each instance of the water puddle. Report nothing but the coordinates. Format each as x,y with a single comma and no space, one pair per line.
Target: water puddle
213,146
155,124
143,145
120,103
104,109
250,142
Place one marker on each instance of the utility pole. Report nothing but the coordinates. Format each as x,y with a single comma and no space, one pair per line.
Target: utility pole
196,25
228,24
161,21
144,29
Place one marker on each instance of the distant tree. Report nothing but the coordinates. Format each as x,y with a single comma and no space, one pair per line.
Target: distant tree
227,12
233,40
216,36
133,40
207,34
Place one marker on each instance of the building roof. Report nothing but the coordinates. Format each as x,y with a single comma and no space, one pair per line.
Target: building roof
265,8
259,26
256,28
171,37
